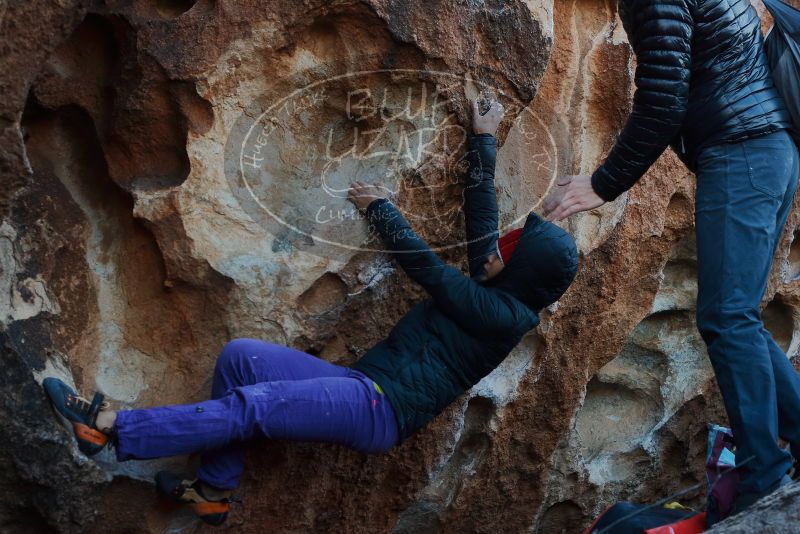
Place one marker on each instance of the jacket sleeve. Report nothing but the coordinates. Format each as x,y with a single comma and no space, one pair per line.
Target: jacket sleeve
474,308
661,35
480,202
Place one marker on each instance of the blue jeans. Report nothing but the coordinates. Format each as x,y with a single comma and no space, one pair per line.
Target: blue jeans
262,390
744,195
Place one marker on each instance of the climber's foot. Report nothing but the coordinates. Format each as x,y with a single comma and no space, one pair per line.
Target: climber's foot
744,501
80,412
209,504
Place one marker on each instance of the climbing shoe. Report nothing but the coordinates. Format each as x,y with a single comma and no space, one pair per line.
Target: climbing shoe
190,492
80,412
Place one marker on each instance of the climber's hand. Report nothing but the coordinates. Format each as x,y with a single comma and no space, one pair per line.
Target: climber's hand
489,121
362,194
572,194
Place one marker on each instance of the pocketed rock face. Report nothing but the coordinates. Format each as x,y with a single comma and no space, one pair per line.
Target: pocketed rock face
134,242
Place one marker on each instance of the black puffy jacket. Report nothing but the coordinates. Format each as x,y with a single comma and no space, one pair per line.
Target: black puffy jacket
702,78
445,345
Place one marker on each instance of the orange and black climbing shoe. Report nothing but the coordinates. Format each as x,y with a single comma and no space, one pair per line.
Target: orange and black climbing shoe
80,412
190,492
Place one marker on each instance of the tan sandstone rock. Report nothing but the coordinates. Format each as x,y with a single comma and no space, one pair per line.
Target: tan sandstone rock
136,240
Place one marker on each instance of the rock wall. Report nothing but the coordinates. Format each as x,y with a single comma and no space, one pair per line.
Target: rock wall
780,512
135,242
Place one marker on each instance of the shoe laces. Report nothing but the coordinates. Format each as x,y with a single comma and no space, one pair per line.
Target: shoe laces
84,404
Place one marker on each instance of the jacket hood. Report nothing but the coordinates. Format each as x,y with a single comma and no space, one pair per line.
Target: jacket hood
542,266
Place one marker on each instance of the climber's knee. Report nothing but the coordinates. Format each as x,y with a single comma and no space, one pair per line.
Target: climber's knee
718,323
230,359
234,366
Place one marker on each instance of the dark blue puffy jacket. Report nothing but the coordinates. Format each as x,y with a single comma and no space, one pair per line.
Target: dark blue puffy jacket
702,78
445,345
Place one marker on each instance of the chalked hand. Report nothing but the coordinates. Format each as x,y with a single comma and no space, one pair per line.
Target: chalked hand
487,122
362,194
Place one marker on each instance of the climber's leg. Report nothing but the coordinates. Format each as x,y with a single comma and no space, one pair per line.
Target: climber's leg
244,362
740,193
349,411
787,384
787,380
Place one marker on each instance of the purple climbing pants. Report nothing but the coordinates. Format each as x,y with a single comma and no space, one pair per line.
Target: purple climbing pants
262,390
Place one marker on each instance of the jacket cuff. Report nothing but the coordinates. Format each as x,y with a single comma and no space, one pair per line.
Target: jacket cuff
374,206
601,185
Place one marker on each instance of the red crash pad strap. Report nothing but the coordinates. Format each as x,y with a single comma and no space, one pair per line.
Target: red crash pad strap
693,525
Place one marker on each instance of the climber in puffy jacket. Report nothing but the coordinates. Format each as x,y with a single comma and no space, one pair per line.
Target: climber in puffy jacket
438,350
704,86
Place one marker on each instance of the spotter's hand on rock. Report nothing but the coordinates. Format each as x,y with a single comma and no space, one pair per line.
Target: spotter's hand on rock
362,194
489,121
572,194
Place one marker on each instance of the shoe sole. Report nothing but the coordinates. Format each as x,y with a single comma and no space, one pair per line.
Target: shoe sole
211,513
